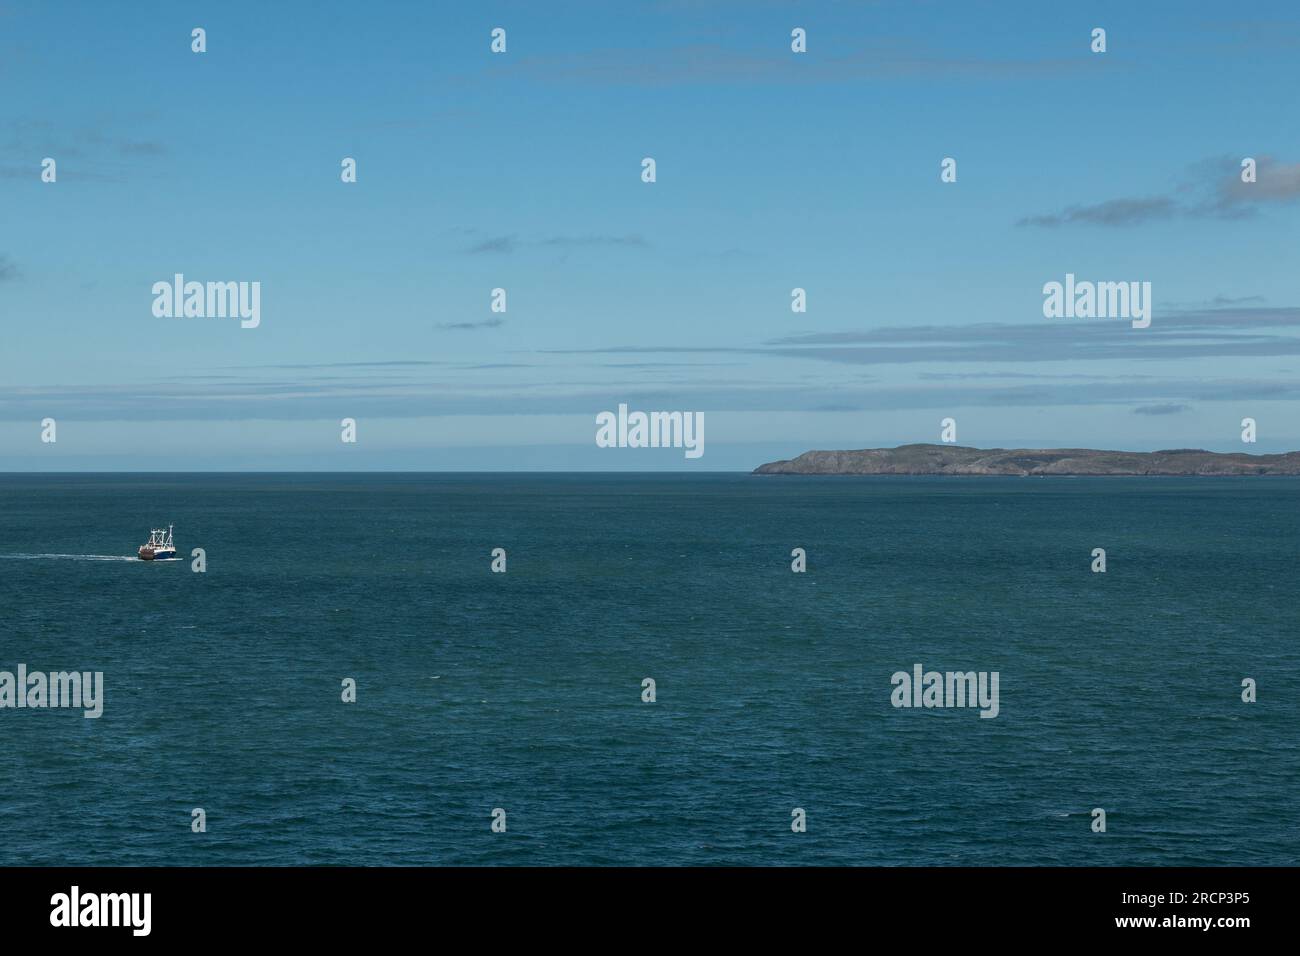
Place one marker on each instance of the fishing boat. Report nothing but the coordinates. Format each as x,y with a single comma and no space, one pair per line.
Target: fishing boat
159,547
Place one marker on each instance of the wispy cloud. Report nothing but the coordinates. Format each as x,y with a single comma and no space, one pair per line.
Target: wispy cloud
7,269
235,401
1223,300
90,153
497,244
1112,212
705,63
1196,333
396,363
504,245
570,242
491,323
1275,182
1215,191
985,377
142,148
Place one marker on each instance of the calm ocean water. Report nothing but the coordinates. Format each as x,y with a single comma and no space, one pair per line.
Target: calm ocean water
523,690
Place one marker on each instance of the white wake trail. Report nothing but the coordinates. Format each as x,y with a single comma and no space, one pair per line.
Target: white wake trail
72,557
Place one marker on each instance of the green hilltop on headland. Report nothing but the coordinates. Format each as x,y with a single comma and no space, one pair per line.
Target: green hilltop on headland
962,460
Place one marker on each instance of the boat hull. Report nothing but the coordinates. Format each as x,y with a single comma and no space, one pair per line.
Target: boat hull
159,547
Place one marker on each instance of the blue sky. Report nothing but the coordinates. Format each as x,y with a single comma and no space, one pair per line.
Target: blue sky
522,171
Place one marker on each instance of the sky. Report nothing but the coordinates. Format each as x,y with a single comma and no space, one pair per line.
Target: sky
522,170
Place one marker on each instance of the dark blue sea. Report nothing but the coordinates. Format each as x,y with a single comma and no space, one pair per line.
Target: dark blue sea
523,691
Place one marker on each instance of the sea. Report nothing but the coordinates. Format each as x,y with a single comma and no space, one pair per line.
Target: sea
520,698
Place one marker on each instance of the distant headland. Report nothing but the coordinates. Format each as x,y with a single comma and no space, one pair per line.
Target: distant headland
961,460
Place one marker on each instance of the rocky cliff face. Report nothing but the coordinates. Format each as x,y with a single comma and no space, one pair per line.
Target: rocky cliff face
961,460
